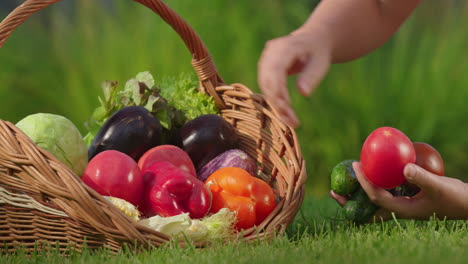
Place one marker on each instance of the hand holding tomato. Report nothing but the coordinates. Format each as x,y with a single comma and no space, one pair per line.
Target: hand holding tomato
439,195
442,196
387,161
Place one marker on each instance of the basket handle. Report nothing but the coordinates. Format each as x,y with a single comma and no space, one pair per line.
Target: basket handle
201,59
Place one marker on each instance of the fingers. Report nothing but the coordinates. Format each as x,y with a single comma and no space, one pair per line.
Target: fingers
273,66
375,193
272,81
299,53
313,73
427,181
403,207
341,200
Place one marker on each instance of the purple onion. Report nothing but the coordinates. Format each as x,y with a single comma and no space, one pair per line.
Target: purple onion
231,158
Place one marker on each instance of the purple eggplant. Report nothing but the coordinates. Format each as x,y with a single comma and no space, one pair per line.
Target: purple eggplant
231,158
205,137
132,130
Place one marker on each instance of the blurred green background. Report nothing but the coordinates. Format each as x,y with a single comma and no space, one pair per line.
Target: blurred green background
417,82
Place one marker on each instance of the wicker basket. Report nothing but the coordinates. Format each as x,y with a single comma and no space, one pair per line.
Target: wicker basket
44,204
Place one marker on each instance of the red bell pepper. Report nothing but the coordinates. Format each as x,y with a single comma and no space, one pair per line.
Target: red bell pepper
171,191
251,198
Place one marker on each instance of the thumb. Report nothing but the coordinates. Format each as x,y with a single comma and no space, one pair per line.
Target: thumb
421,177
313,73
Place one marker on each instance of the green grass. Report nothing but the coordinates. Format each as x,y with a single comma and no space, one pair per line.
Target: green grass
312,239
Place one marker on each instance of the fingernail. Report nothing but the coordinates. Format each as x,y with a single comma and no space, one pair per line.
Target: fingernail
289,117
304,87
293,120
355,165
289,121
409,171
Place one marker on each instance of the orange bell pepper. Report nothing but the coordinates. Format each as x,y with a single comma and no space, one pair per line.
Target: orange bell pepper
234,188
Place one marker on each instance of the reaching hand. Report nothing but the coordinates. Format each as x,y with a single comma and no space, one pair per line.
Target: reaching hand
306,52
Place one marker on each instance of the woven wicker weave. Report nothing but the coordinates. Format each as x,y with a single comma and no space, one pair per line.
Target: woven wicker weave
43,203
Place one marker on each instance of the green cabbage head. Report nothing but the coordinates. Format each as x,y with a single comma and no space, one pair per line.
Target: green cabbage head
59,136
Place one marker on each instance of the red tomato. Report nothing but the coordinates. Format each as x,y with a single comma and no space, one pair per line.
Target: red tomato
172,154
429,158
113,173
384,155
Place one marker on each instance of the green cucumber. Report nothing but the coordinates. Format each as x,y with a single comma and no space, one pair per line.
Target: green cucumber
359,208
343,179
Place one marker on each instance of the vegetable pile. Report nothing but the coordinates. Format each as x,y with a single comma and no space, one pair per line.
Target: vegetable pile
384,154
173,101
160,153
